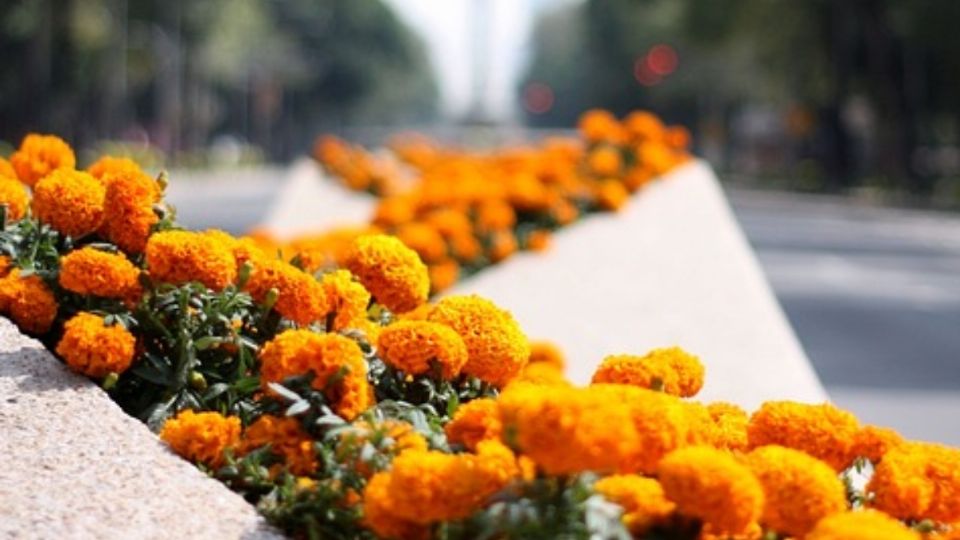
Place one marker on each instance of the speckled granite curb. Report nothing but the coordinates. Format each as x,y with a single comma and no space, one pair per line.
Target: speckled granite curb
75,466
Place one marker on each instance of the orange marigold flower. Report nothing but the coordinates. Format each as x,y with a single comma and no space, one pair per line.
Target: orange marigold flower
110,165
642,499
301,298
605,161
543,374
14,196
201,437
72,202
89,271
495,215
546,353
643,125
392,272
496,347
539,240
449,222
917,481
6,169
861,525
443,275
414,347
297,352
424,239
671,370
597,125
90,347
347,299
611,194
475,421
428,486
823,431
711,485
128,208
799,490
874,442
5,267
380,516
39,155
286,438
29,301
503,244
181,256
730,425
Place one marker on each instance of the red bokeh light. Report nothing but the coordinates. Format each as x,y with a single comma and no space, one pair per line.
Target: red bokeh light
662,60
538,98
643,75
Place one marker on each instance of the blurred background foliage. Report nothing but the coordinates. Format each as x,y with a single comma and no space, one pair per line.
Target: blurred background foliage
178,73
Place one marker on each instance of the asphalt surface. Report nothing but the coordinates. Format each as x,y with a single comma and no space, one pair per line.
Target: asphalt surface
873,293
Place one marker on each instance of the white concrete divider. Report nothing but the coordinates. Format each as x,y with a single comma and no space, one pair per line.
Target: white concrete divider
76,466
672,268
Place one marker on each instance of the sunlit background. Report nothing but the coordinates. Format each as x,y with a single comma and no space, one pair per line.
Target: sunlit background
843,113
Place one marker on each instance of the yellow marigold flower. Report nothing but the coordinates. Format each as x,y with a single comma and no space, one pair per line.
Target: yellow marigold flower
428,486
712,486
475,421
72,202
297,352
39,155
671,370
443,275
110,165
6,169
874,442
301,299
128,208
90,347
201,437
347,300
424,239
496,347
286,438
546,353
89,271
392,272
730,425
380,516
29,301
799,490
642,499
14,196
181,256
823,431
916,481
414,346
861,525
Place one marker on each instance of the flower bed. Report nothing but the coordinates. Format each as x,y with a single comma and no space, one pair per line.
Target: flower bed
343,404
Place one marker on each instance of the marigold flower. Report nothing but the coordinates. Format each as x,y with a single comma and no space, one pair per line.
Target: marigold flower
392,272
301,298
6,265
475,421
380,516
424,239
711,485
414,346
72,202
874,442
89,271
643,125
7,170
297,352
181,256
671,370
823,431
642,499
917,481
449,223
29,301
730,425
861,525
347,299
539,240
597,125
543,374
605,161
611,195
14,196
428,486
201,437
443,275
286,438
799,490
503,244
128,207
90,347
547,353
390,436
495,215
496,347
39,155
110,165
